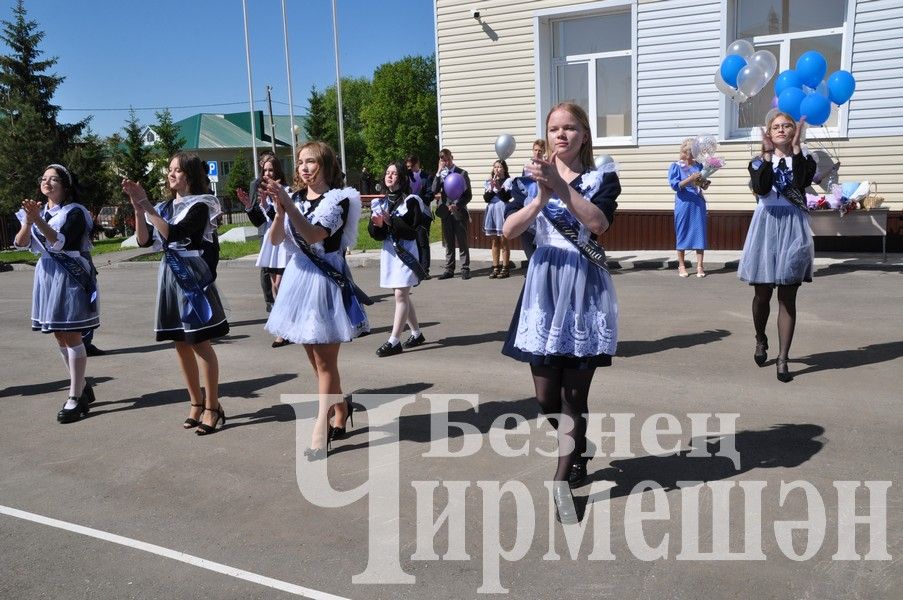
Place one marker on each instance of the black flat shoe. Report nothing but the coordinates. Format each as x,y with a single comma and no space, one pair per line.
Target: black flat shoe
204,429
577,474
414,341
465,274
281,343
784,375
389,349
71,415
564,503
192,423
761,353
446,275
88,392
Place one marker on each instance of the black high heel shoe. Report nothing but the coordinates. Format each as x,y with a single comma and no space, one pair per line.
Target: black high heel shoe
783,373
761,354
71,415
192,423
204,429
337,433
577,474
564,503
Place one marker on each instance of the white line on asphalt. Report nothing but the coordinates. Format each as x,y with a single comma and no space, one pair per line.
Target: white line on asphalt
173,554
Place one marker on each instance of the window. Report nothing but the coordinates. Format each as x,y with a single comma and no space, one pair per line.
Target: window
591,62
225,168
788,28
149,137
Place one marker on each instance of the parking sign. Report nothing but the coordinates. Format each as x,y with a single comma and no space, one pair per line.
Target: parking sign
212,171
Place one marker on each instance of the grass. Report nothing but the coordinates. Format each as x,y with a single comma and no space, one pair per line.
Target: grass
26,257
365,242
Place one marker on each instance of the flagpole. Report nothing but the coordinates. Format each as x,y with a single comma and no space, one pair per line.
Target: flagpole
244,6
338,88
291,101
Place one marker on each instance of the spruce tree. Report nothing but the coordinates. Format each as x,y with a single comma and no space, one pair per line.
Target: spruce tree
89,159
318,118
132,158
168,141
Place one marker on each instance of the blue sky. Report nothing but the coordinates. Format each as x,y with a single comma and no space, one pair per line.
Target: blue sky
174,53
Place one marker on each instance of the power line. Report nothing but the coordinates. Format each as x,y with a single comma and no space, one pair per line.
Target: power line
110,109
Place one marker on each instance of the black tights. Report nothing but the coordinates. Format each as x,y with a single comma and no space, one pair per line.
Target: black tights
761,308
565,392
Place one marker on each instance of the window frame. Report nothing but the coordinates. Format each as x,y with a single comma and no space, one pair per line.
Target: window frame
546,66
730,129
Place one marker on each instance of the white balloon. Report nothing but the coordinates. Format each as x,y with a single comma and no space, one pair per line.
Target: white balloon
766,61
751,80
741,48
603,159
734,94
504,146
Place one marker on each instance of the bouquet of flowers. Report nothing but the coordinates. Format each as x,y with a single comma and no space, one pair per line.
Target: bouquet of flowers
704,148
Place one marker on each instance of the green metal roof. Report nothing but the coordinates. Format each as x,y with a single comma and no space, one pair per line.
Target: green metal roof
233,130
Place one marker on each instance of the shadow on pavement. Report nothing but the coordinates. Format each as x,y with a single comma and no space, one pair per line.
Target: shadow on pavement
51,387
784,446
688,340
848,359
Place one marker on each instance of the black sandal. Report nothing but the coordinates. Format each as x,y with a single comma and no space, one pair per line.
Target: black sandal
192,423
204,429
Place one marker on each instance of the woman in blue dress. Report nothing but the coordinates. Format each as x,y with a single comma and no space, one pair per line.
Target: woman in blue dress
778,251
689,208
64,298
565,324
497,195
189,310
319,224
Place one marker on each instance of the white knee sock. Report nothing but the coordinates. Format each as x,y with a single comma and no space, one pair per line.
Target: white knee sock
64,352
78,361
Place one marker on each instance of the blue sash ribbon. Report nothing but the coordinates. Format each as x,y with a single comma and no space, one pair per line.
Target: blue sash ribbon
408,259
196,309
83,277
568,226
352,295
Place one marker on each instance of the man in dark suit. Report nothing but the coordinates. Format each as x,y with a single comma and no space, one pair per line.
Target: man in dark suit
422,185
454,216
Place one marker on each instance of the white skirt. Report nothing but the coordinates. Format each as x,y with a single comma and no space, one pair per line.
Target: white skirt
309,307
393,273
272,256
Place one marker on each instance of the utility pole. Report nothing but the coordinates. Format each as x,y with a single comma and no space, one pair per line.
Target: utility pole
272,121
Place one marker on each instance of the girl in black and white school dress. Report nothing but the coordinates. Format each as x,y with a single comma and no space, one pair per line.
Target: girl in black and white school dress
497,193
310,308
273,257
64,299
395,219
189,309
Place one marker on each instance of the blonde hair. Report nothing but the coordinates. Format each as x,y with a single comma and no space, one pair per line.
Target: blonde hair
327,163
687,145
576,111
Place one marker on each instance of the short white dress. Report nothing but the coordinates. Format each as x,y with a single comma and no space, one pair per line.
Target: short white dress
59,302
273,257
567,314
393,273
310,307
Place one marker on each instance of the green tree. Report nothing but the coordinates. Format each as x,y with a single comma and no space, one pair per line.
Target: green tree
26,142
400,115
354,95
168,141
89,159
241,174
317,117
132,158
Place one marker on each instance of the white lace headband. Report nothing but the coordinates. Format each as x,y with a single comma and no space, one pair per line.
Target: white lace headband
63,170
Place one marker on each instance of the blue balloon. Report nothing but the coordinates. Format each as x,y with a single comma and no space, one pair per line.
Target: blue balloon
731,67
816,108
841,86
787,79
789,102
811,67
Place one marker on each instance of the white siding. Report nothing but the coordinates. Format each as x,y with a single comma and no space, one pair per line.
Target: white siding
678,50
876,108
487,72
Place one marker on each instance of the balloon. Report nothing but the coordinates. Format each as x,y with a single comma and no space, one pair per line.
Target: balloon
816,108
703,147
811,67
789,102
787,79
766,61
504,146
841,86
774,102
454,186
740,48
735,95
751,80
603,159
731,67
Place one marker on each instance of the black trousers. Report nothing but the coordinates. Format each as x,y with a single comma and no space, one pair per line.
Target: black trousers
454,234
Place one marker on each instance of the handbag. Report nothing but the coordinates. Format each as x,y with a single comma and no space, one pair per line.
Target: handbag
442,211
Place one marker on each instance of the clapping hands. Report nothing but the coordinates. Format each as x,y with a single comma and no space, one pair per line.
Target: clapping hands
137,195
